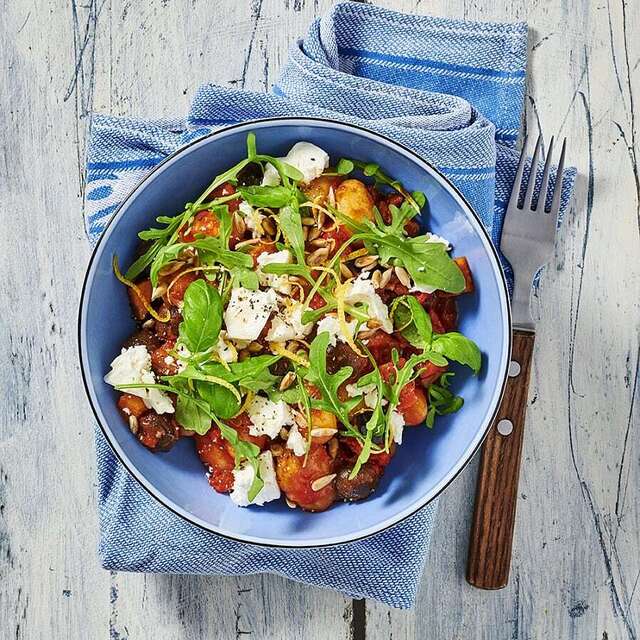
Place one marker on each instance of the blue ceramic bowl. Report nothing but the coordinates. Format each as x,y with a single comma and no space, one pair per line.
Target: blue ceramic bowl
428,460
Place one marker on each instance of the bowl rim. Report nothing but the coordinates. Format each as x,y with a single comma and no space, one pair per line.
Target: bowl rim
418,504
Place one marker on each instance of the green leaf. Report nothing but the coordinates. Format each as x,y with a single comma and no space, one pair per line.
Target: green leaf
370,169
202,317
193,414
265,196
455,346
344,167
245,278
419,198
291,225
328,383
251,145
413,322
220,399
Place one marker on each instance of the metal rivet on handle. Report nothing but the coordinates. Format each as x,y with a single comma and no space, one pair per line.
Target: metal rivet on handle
505,427
514,369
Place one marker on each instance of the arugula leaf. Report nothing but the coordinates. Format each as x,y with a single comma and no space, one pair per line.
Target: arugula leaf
202,317
291,225
344,167
441,400
266,196
245,278
413,322
458,347
328,383
289,269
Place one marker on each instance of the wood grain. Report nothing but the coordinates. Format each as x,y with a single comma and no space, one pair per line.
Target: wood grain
494,515
575,568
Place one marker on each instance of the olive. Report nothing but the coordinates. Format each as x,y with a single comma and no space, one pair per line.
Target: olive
250,174
280,367
361,486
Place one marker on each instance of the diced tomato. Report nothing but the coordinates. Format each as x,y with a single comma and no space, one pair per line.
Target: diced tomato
214,451
317,301
225,189
221,480
463,263
413,404
382,344
444,314
131,405
178,284
355,447
137,303
259,248
205,223
162,363
241,424
430,372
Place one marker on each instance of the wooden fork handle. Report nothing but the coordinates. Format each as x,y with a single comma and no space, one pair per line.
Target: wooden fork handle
494,516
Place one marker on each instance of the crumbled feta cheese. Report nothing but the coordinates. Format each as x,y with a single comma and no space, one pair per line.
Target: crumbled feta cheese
309,159
248,312
287,325
225,349
243,478
369,393
267,417
362,290
252,218
331,325
434,238
397,425
133,366
296,442
279,283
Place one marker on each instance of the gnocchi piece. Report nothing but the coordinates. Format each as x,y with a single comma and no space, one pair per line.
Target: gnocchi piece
354,200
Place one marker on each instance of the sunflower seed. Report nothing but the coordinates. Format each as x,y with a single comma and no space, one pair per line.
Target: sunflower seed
284,433
365,335
321,217
321,432
170,268
287,381
305,233
149,324
254,347
246,243
133,424
291,505
158,292
345,271
318,242
332,448
375,279
321,483
403,276
314,233
331,197
269,226
356,254
318,256
308,221
373,324
385,277
366,262
239,224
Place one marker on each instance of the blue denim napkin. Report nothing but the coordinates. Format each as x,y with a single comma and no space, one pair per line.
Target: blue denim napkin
452,91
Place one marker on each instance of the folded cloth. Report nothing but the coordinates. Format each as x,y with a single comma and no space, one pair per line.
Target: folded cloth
452,91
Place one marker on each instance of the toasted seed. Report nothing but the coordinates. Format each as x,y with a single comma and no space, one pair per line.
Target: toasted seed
305,232
308,221
246,243
366,261
321,483
331,197
133,424
314,233
320,218
345,271
239,224
170,268
301,421
356,254
291,505
254,347
403,276
332,447
373,324
365,335
375,279
149,324
318,256
158,292
269,226
385,277
321,432
318,242
287,381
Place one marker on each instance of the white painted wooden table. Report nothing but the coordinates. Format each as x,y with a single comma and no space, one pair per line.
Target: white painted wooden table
576,563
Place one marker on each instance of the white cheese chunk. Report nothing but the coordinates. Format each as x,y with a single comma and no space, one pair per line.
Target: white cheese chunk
243,478
296,442
369,393
279,283
397,426
267,417
309,159
331,325
362,290
287,325
248,312
133,366
252,218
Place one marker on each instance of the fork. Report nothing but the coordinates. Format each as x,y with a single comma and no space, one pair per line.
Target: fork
527,242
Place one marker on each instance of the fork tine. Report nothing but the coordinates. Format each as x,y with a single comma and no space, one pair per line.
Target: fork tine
557,193
517,181
533,174
542,194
